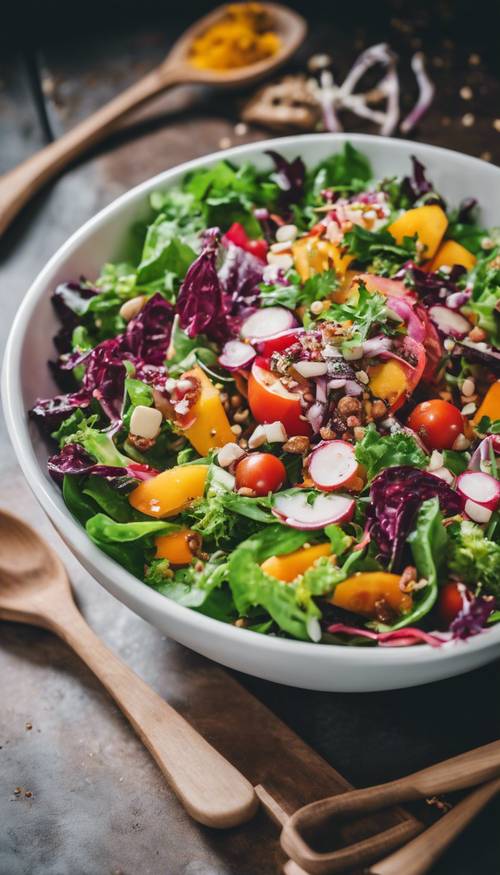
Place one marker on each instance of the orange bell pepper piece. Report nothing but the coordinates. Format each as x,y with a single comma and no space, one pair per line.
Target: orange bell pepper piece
292,565
450,253
361,592
211,427
313,255
490,405
175,547
429,224
169,492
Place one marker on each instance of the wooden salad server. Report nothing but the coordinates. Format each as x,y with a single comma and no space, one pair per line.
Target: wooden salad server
34,589
20,184
467,770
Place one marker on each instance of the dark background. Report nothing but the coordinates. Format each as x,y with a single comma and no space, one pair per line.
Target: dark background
59,62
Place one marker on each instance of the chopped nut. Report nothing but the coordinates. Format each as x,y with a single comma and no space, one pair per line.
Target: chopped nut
132,308
316,307
468,410
236,401
240,622
477,334
241,415
468,387
284,262
353,421
327,433
460,443
297,444
348,405
408,575
246,491
236,429
379,410
141,443
363,377
286,233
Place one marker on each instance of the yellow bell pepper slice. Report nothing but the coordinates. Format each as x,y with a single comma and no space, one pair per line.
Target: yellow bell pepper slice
429,224
490,405
292,565
361,592
313,255
171,491
211,427
388,381
450,253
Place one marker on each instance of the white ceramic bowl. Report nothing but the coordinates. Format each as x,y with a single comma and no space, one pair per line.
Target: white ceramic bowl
26,377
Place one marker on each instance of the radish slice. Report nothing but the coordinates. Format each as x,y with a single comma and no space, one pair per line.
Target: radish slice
267,322
449,321
480,489
295,511
332,464
279,342
477,512
236,355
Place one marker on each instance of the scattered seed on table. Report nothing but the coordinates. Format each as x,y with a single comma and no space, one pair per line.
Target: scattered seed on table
466,92
468,120
474,59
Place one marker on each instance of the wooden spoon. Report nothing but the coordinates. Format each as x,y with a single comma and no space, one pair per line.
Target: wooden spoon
34,589
20,184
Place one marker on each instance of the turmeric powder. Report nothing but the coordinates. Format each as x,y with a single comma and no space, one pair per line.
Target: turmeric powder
242,36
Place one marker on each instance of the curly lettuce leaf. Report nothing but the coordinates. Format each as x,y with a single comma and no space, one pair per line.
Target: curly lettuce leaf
376,452
473,558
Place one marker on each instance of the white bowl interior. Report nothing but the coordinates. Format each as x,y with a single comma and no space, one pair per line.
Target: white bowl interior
27,377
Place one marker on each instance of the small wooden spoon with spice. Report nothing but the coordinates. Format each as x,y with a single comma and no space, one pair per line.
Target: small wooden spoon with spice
20,184
34,589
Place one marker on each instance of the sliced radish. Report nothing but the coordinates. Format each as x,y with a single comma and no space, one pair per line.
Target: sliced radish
267,322
295,510
480,489
279,342
236,354
449,321
477,512
332,464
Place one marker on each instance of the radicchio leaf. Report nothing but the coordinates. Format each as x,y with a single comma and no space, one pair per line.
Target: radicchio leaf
69,301
396,495
472,617
432,287
148,334
73,459
239,276
417,185
290,176
466,210
199,303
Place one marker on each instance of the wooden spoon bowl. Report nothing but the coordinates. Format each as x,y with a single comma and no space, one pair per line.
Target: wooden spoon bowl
34,588
20,184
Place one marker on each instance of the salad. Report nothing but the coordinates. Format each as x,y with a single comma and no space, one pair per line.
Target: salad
283,411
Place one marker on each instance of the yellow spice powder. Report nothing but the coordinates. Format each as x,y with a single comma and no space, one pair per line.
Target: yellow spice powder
242,36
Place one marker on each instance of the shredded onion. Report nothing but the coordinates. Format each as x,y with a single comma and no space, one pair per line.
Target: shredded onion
425,96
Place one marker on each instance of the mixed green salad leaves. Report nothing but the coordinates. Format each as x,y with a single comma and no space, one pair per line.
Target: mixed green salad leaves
283,409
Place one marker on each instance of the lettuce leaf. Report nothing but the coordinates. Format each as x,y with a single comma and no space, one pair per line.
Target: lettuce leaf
473,558
376,452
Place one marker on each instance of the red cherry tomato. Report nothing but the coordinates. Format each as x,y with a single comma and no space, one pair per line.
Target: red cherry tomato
269,400
236,234
450,603
279,342
438,423
258,248
261,472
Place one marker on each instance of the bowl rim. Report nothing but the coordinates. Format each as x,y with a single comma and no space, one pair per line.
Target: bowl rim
123,583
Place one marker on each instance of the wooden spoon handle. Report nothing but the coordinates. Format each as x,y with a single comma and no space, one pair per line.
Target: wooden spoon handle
210,788
20,184
419,855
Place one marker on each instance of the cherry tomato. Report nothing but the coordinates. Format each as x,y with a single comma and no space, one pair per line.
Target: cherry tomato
279,342
450,603
258,248
438,423
269,400
432,346
261,472
236,234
